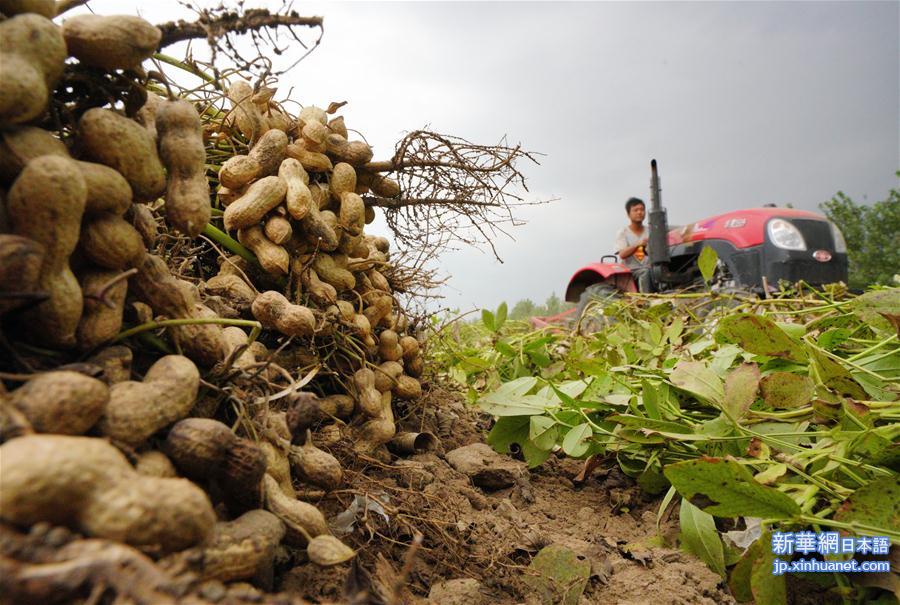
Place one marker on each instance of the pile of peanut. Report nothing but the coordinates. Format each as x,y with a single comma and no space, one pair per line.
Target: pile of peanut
134,461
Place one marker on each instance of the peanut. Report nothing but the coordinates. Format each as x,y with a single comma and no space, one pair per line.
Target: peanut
273,310
156,286
315,466
278,229
355,153
33,54
245,114
303,521
261,197
103,495
298,197
21,259
368,398
46,204
61,402
273,259
269,151
126,146
101,320
352,214
137,410
329,271
238,171
21,144
337,126
111,242
312,161
110,41
182,152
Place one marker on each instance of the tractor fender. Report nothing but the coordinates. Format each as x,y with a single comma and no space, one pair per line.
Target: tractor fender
616,274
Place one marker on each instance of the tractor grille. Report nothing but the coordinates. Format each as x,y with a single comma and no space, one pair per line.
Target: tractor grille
798,265
817,234
810,271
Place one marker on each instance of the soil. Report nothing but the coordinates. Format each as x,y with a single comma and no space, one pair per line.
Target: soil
477,543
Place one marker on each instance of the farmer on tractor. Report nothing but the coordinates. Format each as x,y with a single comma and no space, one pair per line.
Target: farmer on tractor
756,249
631,243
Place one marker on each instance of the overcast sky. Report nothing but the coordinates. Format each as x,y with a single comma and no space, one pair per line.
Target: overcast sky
741,103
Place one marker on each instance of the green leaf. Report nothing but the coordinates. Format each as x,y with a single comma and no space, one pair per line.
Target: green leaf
707,262
870,306
739,578
784,390
487,318
760,335
511,399
473,363
700,538
652,480
751,578
577,440
741,386
500,317
667,499
508,431
793,330
649,396
504,349
697,379
830,339
724,358
540,358
565,392
698,346
542,432
727,489
767,589
656,334
534,456
876,504
673,332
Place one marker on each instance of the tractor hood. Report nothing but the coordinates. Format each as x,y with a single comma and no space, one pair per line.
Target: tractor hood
742,228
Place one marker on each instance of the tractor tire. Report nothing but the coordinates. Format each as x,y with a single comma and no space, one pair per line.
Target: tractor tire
600,292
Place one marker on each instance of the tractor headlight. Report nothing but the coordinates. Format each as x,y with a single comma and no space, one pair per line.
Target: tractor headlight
785,235
840,244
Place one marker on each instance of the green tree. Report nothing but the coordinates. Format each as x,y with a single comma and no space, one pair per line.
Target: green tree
553,304
872,234
522,309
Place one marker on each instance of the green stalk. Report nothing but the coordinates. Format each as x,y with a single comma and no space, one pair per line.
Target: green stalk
184,67
852,526
856,367
229,243
873,348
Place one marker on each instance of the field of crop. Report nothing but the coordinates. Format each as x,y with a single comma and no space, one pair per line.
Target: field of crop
750,417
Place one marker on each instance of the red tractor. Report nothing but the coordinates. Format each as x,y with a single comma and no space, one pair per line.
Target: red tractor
756,247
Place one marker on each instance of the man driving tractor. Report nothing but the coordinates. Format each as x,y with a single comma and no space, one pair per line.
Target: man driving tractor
631,243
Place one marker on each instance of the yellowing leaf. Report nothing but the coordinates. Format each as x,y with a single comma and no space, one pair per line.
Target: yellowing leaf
730,489
784,390
741,386
760,335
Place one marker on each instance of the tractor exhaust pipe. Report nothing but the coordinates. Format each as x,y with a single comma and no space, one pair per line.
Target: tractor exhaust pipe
658,244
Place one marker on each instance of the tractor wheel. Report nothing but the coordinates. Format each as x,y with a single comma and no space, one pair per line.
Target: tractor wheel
600,292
